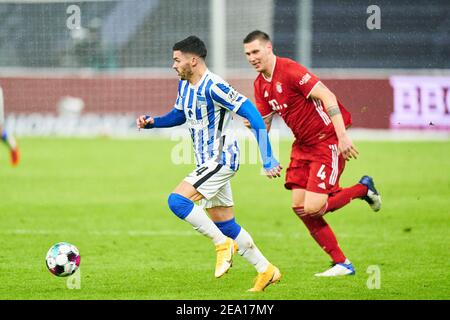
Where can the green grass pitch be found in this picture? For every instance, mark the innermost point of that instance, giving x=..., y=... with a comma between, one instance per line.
x=109, y=198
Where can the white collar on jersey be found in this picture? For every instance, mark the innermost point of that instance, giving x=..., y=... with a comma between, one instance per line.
x=273, y=69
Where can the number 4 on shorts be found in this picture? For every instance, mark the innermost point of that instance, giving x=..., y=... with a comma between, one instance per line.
x=321, y=173
x=199, y=171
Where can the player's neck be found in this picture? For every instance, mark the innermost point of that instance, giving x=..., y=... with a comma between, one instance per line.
x=197, y=75
x=268, y=73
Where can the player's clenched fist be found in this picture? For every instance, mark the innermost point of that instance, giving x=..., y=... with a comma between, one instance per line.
x=144, y=121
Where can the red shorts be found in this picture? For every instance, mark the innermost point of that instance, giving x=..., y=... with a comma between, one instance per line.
x=315, y=168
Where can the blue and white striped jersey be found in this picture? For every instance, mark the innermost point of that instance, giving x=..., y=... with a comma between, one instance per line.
x=208, y=109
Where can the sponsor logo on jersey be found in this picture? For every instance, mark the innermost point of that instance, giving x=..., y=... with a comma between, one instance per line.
x=276, y=106
x=322, y=185
x=197, y=124
x=232, y=96
x=266, y=94
x=305, y=79
x=279, y=88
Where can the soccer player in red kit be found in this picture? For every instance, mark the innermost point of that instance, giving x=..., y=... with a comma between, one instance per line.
x=321, y=144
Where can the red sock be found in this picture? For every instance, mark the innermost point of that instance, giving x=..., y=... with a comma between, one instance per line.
x=324, y=236
x=344, y=196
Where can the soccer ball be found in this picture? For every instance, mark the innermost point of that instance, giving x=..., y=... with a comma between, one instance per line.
x=62, y=259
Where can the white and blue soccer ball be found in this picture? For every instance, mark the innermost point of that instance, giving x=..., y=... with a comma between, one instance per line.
x=63, y=259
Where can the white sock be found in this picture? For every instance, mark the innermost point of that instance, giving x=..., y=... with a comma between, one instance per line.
x=203, y=224
x=250, y=251
x=11, y=142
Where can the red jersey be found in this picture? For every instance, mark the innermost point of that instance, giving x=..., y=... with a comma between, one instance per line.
x=287, y=93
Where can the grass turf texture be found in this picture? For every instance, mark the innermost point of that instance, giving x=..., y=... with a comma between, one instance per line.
x=109, y=198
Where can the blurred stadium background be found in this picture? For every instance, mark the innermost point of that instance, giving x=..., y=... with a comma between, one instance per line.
x=89, y=67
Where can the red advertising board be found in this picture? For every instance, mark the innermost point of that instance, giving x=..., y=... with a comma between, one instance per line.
x=396, y=102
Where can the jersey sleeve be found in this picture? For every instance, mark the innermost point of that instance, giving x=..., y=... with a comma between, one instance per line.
x=262, y=105
x=302, y=79
x=227, y=97
x=179, y=102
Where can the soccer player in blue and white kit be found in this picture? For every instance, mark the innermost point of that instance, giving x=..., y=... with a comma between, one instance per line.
x=206, y=103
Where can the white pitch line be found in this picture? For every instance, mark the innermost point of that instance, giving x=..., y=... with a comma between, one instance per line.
x=131, y=233
x=170, y=233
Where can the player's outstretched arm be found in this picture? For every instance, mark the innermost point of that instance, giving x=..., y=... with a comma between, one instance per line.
x=174, y=118
x=271, y=166
x=267, y=121
x=345, y=147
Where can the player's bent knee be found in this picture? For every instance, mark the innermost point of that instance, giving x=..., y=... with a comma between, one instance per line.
x=229, y=228
x=313, y=209
x=310, y=210
x=295, y=205
x=180, y=206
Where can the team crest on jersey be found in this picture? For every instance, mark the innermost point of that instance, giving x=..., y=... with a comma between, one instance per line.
x=279, y=88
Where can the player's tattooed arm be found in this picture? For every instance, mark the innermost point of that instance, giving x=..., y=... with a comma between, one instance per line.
x=268, y=121
x=333, y=110
x=345, y=144
x=320, y=91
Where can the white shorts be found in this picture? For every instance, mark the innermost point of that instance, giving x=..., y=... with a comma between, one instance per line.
x=212, y=180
